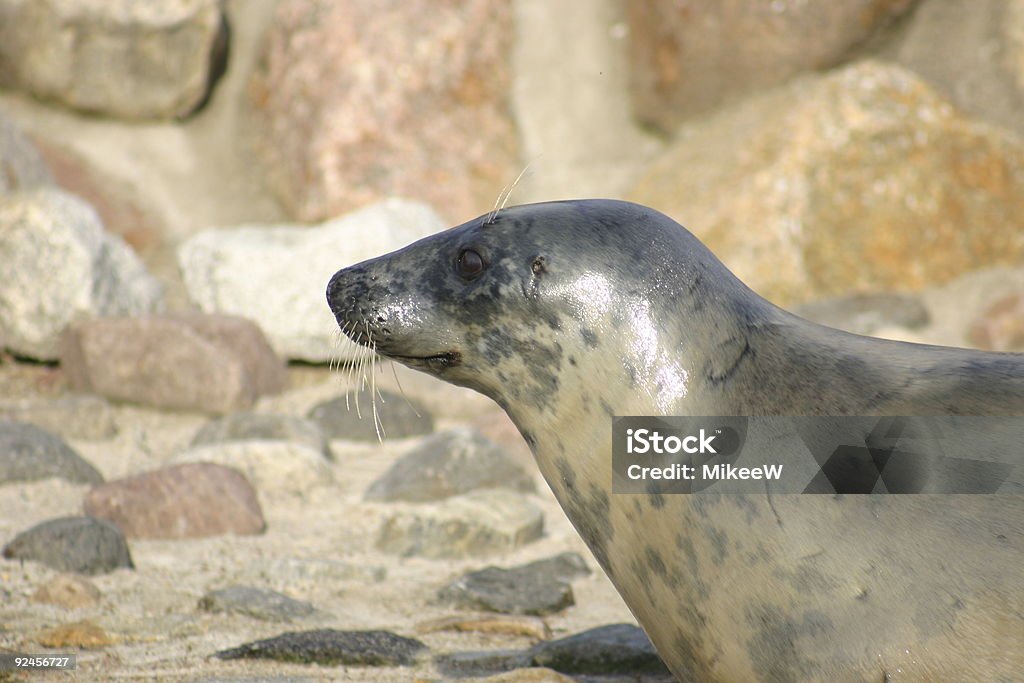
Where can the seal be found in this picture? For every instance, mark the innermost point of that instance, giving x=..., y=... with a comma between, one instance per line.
x=569, y=313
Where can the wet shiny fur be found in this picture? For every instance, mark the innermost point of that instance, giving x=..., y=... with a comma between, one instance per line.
x=587, y=309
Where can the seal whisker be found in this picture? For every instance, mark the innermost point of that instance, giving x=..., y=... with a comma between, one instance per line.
x=401, y=390
x=505, y=194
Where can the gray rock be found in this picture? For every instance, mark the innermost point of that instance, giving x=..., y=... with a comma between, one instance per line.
x=866, y=313
x=612, y=649
x=73, y=544
x=21, y=166
x=77, y=417
x=259, y=603
x=449, y=464
x=263, y=427
x=220, y=267
x=180, y=501
x=57, y=265
x=465, y=664
x=185, y=362
x=473, y=525
x=330, y=647
x=126, y=59
x=536, y=588
x=272, y=466
x=28, y=453
x=399, y=417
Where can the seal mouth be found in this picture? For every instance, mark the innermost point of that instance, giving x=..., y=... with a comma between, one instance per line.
x=438, y=361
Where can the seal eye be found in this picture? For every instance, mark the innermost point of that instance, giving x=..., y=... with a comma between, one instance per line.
x=470, y=264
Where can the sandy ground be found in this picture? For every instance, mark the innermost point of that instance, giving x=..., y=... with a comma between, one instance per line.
x=151, y=612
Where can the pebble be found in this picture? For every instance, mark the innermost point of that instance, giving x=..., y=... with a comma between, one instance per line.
x=85, y=545
x=28, y=453
x=1000, y=327
x=180, y=501
x=400, y=417
x=448, y=464
x=330, y=647
x=473, y=525
x=248, y=426
x=531, y=675
x=70, y=591
x=537, y=588
x=259, y=603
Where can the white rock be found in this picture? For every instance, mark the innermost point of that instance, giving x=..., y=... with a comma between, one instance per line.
x=277, y=274
x=21, y=167
x=271, y=466
x=57, y=265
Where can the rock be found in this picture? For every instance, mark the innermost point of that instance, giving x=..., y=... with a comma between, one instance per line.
x=57, y=265
x=85, y=635
x=612, y=649
x=426, y=114
x=259, y=603
x=330, y=647
x=126, y=59
x=76, y=417
x=474, y=525
x=351, y=417
x=263, y=427
x=277, y=275
x=72, y=544
x=687, y=58
x=537, y=588
x=529, y=627
x=463, y=664
x=28, y=453
x=972, y=51
x=70, y=591
x=186, y=362
x=449, y=464
x=272, y=466
x=867, y=313
x=21, y=166
x=858, y=180
x=1001, y=326
x=180, y=501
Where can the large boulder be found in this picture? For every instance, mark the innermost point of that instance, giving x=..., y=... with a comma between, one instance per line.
x=860, y=180
x=357, y=100
x=58, y=265
x=689, y=57
x=277, y=275
x=129, y=59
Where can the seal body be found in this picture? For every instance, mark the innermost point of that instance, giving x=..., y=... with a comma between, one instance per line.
x=569, y=313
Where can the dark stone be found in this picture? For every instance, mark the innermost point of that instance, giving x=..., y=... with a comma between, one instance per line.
x=399, y=417
x=331, y=648
x=537, y=588
x=263, y=427
x=72, y=544
x=449, y=464
x=612, y=649
x=462, y=664
x=28, y=453
x=259, y=603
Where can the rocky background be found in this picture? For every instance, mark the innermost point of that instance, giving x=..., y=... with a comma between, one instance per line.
x=190, y=491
